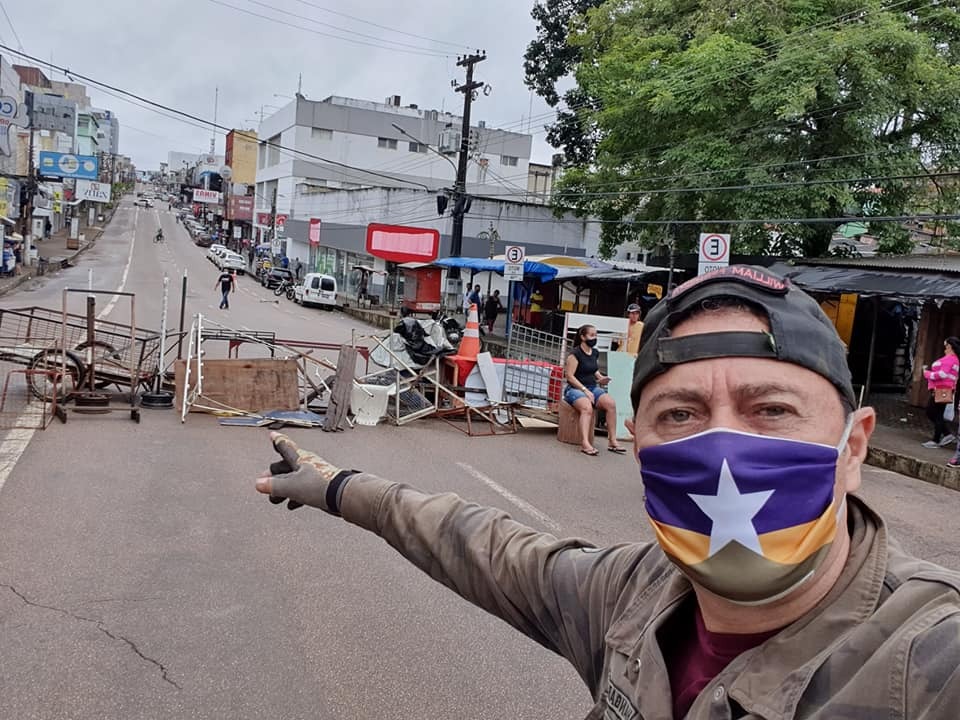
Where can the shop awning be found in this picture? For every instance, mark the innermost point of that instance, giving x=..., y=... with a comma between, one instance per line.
x=532, y=270
x=895, y=284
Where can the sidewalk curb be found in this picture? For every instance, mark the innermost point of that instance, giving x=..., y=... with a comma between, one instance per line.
x=31, y=274
x=377, y=318
x=929, y=472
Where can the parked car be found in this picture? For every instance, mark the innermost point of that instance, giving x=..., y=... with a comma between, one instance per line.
x=202, y=240
x=274, y=276
x=317, y=289
x=214, y=252
x=233, y=261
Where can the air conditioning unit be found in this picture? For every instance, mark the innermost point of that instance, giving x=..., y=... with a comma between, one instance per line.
x=449, y=141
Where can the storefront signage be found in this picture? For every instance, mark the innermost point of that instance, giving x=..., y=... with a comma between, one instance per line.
x=12, y=114
x=400, y=244
x=206, y=196
x=66, y=165
x=93, y=191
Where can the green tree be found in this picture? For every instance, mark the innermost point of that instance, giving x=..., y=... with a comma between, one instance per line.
x=790, y=101
x=550, y=59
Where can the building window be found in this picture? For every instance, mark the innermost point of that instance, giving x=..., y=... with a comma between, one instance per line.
x=629, y=256
x=321, y=134
x=509, y=160
x=418, y=147
x=387, y=143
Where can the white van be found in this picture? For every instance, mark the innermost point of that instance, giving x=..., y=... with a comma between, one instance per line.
x=317, y=289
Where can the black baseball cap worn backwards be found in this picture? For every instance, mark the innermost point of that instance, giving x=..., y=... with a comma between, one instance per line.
x=800, y=332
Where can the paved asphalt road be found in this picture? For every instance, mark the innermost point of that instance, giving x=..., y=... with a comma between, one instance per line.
x=142, y=577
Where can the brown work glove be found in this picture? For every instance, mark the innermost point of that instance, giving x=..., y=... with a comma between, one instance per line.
x=303, y=478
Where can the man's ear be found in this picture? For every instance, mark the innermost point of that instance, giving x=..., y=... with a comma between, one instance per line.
x=853, y=456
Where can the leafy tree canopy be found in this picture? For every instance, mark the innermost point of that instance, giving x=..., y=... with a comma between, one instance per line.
x=789, y=100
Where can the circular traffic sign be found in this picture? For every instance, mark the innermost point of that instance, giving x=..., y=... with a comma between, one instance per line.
x=714, y=247
x=514, y=254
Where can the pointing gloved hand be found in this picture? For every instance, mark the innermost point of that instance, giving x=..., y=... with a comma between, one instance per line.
x=303, y=478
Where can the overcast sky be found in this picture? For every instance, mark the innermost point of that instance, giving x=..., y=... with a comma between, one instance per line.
x=177, y=51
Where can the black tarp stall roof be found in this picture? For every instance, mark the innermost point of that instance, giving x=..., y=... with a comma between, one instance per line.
x=900, y=285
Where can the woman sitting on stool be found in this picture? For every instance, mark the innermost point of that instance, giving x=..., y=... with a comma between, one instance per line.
x=587, y=388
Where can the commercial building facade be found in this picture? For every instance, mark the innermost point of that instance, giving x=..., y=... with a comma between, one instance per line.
x=351, y=162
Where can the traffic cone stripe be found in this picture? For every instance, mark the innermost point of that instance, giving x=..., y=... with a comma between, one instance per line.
x=470, y=345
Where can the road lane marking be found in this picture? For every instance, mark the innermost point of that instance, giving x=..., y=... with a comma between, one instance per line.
x=518, y=502
x=126, y=271
x=13, y=446
x=15, y=442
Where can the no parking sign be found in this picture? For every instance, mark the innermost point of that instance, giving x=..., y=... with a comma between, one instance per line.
x=714, y=252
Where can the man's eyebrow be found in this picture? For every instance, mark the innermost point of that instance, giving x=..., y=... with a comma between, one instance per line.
x=677, y=395
x=756, y=390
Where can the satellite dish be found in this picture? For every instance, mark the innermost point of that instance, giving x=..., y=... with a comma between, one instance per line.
x=226, y=172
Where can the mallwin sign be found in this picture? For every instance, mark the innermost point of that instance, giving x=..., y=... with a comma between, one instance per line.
x=93, y=191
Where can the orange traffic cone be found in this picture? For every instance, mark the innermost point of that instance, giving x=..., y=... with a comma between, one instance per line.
x=470, y=345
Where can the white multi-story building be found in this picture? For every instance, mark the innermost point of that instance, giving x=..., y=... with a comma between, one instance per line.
x=306, y=145
x=354, y=162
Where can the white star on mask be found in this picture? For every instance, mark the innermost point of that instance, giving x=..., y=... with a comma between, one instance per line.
x=732, y=513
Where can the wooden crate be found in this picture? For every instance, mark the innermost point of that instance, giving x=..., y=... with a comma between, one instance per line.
x=568, y=430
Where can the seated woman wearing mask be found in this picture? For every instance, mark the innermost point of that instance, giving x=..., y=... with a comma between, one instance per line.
x=586, y=388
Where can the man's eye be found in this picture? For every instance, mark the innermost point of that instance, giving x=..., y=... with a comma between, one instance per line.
x=677, y=415
x=773, y=411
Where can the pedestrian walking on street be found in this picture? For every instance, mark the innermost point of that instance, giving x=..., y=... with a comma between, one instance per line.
x=298, y=270
x=227, y=284
x=942, y=383
x=772, y=589
x=491, y=308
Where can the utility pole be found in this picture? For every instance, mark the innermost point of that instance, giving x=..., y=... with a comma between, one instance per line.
x=216, y=108
x=460, y=200
x=31, y=183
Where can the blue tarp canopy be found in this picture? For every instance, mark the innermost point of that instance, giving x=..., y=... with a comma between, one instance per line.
x=531, y=270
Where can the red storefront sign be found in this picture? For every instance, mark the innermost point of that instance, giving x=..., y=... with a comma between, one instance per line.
x=240, y=208
x=403, y=244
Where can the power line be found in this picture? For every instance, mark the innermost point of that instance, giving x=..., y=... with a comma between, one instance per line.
x=766, y=186
x=383, y=27
x=739, y=221
x=12, y=28
x=340, y=29
x=425, y=52
x=207, y=123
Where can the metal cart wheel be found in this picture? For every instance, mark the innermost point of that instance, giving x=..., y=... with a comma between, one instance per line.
x=101, y=351
x=47, y=387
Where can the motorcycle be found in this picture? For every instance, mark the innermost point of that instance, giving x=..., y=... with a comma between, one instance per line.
x=451, y=327
x=285, y=287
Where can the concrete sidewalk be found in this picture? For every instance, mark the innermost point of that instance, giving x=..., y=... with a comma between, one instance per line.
x=901, y=450
x=54, y=250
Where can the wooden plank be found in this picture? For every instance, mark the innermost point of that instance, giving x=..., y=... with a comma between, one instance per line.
x=343, y=387
x=253, y=385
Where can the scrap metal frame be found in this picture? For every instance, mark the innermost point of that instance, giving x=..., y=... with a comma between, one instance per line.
x=91, y=338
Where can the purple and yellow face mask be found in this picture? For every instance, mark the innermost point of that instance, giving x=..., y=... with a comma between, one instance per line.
x=748, y=517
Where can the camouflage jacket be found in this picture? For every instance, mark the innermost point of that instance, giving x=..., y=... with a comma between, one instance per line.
x=885, y=641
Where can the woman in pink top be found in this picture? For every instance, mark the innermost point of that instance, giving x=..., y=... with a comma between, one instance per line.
x=942, y=375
